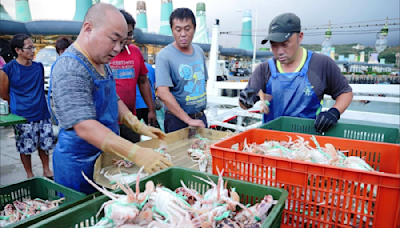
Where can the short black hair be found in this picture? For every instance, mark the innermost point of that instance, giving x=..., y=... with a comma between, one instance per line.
x=5, y=50
x=18, y=42
x=182, y=14
x=128, y=17
x=63, y=43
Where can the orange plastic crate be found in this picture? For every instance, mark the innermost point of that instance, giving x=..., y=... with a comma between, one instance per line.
x=367, y=199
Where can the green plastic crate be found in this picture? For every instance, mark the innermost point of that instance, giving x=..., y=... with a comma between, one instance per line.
x=38, y=187
x=85, y=215
x=342, y=130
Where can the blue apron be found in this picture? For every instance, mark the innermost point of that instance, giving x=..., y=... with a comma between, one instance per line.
x=292, y=94
x=73, y=154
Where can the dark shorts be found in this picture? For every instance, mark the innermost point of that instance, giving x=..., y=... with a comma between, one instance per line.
x=33, y=135
x=173, y=123
x=143, y=113
x=126, y=133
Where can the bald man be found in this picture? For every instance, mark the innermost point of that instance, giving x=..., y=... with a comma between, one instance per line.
x=87, y=107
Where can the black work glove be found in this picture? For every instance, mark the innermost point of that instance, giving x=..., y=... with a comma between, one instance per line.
x=326, y=120
x=248, y=97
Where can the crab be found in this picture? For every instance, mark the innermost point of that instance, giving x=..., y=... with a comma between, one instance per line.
x=123, y=162
x=163, y=150
x=257, y=212
x=123, y=209
x=169, y=209
x=217, y=194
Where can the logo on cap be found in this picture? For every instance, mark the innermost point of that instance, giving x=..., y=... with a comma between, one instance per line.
x=273, y=27
x=287, y=35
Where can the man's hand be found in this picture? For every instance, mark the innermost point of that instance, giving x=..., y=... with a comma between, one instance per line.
x=196, y=123
x=326, y=120
x=152, y=119
x=264, y=109
x=265, y=101
x=248, y=97
x=152, y=132
x=158, y=104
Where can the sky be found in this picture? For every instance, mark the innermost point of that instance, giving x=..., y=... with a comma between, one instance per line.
x=313, y=13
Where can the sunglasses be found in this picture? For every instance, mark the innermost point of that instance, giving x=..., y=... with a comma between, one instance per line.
x=32, y=48
x=131, y=35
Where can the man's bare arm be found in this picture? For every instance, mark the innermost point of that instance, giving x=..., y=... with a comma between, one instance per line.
x=92, y=131
x=343, y=101
x=145, y=91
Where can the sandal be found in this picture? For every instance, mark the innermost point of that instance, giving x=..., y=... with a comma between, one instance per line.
x=51, y=178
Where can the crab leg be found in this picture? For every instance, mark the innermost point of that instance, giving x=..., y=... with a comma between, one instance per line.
x=102, y=207
x=105, y=192
x=128, y=191
x=206, y=181
x=190, y=191
x=138, y=181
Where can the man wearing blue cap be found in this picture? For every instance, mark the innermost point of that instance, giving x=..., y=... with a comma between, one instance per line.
x=296, y=78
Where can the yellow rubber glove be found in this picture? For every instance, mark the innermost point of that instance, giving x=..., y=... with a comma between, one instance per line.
x=150, y=159
x=133, y=123
x=152, y=132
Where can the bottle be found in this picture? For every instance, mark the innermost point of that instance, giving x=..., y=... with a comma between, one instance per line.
x=3, y=107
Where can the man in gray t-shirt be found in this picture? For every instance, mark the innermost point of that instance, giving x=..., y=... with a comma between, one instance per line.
x=181, y=75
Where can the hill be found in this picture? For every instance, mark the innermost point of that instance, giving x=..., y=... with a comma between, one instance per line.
x=345, y=49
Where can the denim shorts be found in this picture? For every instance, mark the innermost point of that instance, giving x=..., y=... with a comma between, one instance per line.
x=33, y=135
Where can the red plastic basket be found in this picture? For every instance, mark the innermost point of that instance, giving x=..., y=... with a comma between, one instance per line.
x=354, y=198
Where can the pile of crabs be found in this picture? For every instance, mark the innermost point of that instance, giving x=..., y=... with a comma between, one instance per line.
x=159, y=206
x=199, y=152
x=25, y=208
x=301, y=150
x=122, y=177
